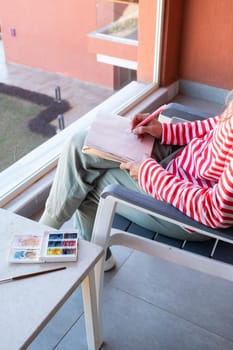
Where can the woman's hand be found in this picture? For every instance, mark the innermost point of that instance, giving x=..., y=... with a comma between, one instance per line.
x=153, y=128
x=132, y=167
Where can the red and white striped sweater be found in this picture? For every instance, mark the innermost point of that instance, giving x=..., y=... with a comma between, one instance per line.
x=199, y=181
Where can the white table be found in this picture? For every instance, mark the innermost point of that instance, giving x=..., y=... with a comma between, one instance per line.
x=27, y=305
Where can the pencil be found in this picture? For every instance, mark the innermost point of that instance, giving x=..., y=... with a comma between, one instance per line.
x=151, y=116
x=33, y=274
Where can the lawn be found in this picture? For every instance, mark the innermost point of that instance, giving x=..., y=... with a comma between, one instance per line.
x=16, y=139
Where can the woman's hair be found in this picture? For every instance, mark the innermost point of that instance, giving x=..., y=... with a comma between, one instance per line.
x=229, y=97
x=228, y=113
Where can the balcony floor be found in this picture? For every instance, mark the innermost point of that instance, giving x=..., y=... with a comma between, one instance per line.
x=149, y=304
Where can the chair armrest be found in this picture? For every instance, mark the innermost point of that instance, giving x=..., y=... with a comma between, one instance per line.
x=163, y=210
x=185, y=112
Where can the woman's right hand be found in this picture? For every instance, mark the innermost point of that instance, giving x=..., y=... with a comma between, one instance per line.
x=153, y=128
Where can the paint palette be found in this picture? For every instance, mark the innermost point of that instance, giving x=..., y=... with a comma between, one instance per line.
x=51, y=246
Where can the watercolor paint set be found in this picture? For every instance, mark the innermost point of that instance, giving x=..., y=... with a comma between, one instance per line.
x=52, y=246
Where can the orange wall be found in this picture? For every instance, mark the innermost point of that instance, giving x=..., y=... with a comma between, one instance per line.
x=146, y=45
x=198, y=42
x=51, y=35
x=112, y=48
x=207, y=45
x=171, y=41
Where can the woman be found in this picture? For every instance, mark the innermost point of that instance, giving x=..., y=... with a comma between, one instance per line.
x=196, y=178
x=199, y=180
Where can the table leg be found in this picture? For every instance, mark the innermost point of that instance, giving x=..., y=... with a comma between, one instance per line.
x=93, y=319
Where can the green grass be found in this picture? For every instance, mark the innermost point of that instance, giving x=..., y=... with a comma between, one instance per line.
x=16, y=139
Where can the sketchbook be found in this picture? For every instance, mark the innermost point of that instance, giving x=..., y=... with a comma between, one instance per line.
x=110, y=137
x=52, y=246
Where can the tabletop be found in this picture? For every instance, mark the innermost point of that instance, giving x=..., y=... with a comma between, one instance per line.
x=27, y=304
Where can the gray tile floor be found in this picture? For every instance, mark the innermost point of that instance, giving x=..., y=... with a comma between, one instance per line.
x=148, y=304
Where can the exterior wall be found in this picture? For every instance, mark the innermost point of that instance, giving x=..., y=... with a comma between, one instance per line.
x=112, y=48
x=198, y=42
x=146, y=45
x=207, y=46
x=52, y=36
x=171, y=41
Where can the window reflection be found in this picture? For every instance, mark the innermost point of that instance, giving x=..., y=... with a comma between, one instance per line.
x=118, y=18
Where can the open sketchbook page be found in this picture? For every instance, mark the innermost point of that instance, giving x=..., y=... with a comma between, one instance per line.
x=110, y=137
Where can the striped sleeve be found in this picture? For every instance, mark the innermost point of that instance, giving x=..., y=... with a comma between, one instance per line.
x=210, y=206
x=182, y=133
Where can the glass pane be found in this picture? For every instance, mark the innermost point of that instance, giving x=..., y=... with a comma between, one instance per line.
x=118, y=18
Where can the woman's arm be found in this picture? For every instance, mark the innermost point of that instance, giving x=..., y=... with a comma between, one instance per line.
x=183, y=133
x=169, y=133
x=210, y=206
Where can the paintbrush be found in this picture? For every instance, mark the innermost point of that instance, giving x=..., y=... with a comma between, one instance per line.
x=33, y=274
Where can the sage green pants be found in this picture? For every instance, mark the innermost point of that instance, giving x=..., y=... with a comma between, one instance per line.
x=79, y=181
